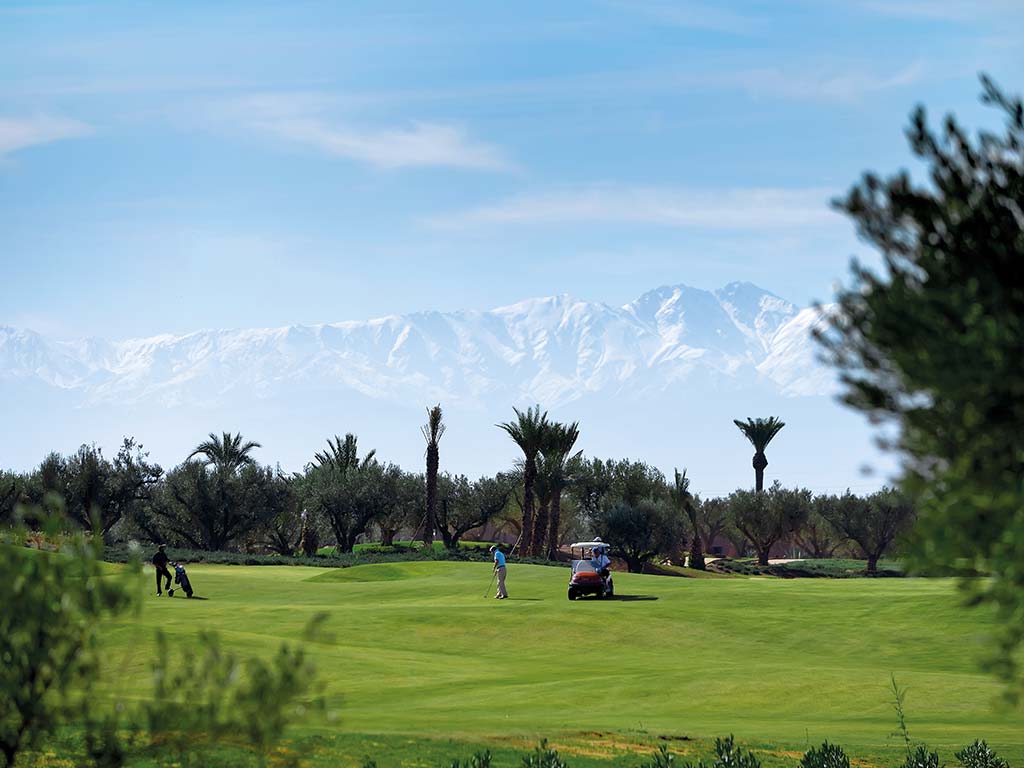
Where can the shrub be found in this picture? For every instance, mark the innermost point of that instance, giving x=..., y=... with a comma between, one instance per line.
x=211, y=696
x=661, y=759
x=920, y=757
x=543, y=757
x=728, y=755
x=49, y=633
x=826, y=756
x=980, y=755
x=478, y=760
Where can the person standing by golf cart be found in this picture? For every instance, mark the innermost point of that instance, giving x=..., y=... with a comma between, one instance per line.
x=499, y=571
x=160, y=561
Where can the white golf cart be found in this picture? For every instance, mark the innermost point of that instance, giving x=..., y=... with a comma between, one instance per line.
x=590, y=574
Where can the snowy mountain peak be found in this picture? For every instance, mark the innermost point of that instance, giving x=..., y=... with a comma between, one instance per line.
x=553, y=349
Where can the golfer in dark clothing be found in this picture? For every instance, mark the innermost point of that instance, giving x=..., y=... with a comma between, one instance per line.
x=160, y=563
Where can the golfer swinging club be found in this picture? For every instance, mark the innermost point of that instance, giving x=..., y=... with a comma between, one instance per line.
x=499, y=571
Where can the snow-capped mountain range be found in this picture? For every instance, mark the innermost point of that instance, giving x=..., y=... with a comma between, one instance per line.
x=551, y=350
x=660, y=379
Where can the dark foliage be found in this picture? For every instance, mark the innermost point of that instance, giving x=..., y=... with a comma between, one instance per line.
x=873, y=523
x=933, y=346
x=766, y=517
x=825, y=756
x=640, y=530
x=466, y=505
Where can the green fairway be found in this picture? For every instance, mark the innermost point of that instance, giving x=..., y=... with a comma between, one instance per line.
x=418, y=652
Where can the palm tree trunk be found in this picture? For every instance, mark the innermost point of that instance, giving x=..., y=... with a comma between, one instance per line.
x=529, y=475
x=540, y=529
x=431, y=520
x=696, y=550
x=760, y=462
x=554, y=524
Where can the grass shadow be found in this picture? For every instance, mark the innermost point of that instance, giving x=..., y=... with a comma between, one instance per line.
x=631, y=598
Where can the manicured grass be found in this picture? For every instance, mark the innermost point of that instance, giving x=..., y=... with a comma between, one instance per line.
x=418, y=654
x=375, y=546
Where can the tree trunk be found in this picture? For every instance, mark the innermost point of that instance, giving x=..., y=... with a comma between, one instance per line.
x=696, y=554
x=430, y=522
x=760, y=462
x=554, y=524
x=387, y=536
x=451, y=541
x=762, y=555
x=529, y=475
x=540, y=529
x=310, y=541
x=872, y=563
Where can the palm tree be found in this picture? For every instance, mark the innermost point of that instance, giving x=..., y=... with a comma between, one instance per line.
x=528, y=432
x=760, y=432
x=554, y=465
x=432, y=432
x=343, y=455
x=226, y=453
x=685, y=503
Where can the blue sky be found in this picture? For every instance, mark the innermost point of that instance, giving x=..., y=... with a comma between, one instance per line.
x=166, y=167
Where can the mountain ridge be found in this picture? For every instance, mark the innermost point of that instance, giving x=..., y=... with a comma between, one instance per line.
x=551, y=349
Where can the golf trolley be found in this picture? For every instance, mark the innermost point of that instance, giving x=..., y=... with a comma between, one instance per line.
x=587, y=578
x=181, y=579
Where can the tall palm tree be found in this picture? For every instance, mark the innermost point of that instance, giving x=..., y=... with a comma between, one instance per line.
x=528, y=432
x=432, y=432
x=686, y=504
x=227, y=453
x=760, y=432
x=554, y=465
x=343, y=455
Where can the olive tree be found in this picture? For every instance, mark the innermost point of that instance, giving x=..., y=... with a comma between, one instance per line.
x=639, y=531
x=931, y=343
x=871, y=522
x=767, y=517
x=465, y=505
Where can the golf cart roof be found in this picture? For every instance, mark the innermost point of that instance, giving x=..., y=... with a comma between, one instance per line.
x=588, y=544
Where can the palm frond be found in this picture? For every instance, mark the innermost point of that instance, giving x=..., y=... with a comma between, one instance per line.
x=760, y=432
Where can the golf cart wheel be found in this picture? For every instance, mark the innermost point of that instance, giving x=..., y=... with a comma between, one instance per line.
x=572, y=594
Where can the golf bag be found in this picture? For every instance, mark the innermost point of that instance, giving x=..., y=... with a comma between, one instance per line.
x=181, y=579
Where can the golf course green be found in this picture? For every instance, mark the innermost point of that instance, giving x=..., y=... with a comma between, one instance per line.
x=418, y=655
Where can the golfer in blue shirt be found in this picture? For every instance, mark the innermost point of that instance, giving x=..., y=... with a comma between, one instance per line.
x=499, y=570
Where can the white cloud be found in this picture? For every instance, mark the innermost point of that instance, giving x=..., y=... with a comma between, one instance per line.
x=730, y=209
x=419, y=145
x=19, y=133
x=305, y=118
x=845, y=86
